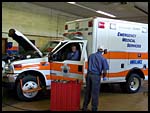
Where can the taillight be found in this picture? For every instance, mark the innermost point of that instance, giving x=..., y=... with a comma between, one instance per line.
x=17, y=66
x=66, y=27
x=90, y=24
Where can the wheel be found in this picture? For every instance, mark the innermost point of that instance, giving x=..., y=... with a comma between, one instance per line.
x=28, y=82
x=133, y=83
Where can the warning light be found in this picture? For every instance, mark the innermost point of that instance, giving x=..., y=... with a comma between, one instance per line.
x=90, y=24
x=101, y=25
x=66, y=27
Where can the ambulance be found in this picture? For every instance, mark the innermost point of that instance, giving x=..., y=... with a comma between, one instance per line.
x=125, y=47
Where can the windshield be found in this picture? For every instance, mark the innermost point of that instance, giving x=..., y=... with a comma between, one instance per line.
x=58, y=46
x=73, y=36
x=45, y=49
x=49, y=46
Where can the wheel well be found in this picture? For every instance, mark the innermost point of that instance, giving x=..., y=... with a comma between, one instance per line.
x=136, y=71
x=34, y=73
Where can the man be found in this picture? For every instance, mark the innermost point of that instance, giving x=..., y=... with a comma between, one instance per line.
x=74, y=54
x=96, y=64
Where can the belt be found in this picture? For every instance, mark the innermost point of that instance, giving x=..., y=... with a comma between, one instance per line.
x=94, y=73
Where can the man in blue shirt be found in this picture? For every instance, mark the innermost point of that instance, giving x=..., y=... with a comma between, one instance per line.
x=74, y=54
x=96, y=65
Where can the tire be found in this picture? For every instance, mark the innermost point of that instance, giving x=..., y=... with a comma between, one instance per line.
x=28, y=82
x=132, y=84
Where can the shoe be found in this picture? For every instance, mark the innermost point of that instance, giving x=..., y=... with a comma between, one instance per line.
x=84, y=109
x=94, y=109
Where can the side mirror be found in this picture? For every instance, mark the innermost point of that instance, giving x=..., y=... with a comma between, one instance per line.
x=105, y=51
x=50, y=57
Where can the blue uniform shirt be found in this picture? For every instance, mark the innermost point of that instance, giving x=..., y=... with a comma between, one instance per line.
x=97, y=63
x=73, y=55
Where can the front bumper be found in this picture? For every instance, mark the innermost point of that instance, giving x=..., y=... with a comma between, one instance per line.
x=9, y=85
x=8, y=80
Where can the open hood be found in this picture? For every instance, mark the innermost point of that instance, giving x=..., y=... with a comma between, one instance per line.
x=23, y=41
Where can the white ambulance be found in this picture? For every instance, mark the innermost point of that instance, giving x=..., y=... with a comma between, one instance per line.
x=126, y=49
x=125, y=43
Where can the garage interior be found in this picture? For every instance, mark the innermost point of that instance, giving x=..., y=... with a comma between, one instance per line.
x=45, y=21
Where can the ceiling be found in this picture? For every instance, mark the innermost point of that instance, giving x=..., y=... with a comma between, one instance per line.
x=131, y=11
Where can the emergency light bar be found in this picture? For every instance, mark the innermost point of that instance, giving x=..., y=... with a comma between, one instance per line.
x=73, y=33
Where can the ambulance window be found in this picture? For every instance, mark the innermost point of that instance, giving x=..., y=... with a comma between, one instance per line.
x=68, y=52
x=74, y=52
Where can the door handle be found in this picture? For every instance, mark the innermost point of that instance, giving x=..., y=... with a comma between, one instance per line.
x=122, y=65
x=53, y=73
x=80, y=69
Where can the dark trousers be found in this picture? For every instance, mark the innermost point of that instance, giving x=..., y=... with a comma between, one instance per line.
x=92, y=90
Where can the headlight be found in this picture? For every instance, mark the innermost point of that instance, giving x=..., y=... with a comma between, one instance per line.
x=3, y=64
x=8, y=68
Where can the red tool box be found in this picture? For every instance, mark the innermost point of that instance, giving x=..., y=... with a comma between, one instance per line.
x=65, y=96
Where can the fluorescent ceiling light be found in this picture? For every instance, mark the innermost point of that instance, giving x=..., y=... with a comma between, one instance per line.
x=100, y=12
x=71, y=2
x=104, y=13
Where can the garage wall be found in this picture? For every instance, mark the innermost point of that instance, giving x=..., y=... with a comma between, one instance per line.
x=37, y=23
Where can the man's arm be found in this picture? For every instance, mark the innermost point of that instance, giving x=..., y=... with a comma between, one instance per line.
x=105, y=67
x=104, y=73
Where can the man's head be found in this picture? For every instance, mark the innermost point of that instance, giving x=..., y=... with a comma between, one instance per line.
x=100, y=49
x=73, y=48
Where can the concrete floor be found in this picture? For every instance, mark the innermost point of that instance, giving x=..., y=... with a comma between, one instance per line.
x=111, y=99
